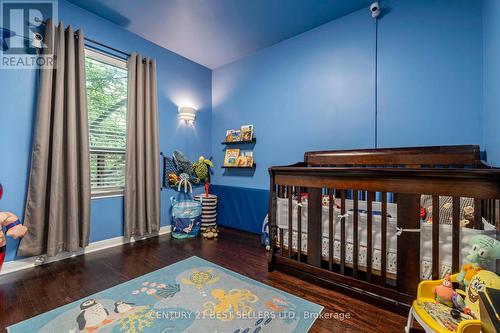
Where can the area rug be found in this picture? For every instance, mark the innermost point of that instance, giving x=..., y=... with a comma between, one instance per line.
x=193, y=295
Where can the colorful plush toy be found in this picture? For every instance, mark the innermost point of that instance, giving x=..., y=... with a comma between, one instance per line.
x=184, y=181
x=445, y=292
x=13, y=226
x=201, y=168
x=478, y=283
x=484, y=249
x=173, y=179
x=210, y=233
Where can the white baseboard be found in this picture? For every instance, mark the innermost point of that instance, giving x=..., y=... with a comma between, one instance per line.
x=17, y=265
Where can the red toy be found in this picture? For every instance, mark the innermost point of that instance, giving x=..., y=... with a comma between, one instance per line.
x=423, y=213
x=207, y=186
x=14, y=229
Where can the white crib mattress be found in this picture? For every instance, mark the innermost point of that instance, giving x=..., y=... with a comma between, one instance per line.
x=445, y=236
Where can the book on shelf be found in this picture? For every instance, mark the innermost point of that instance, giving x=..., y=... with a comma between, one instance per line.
x=231, y=157
x=233, y=135
x=247, y=133
x=242, y=161
x=249, y=158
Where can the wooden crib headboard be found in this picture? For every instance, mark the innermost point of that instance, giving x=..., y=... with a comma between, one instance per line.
x=413, y=157
x=370, y=178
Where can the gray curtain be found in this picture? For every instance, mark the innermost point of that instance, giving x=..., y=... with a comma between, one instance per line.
x=142, y=171
x=58, y=201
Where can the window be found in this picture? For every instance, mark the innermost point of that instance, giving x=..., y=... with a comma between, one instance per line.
x=107, y=111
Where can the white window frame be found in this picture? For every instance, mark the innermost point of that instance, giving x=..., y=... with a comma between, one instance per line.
x=120, y=63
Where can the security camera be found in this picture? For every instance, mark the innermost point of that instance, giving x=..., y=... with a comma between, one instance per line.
x=375, y=9
x=36, y=40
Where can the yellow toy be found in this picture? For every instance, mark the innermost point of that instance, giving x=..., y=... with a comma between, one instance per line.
x=426, y=300
x=479, y=282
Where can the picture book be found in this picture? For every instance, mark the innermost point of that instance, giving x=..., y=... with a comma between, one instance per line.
x=246, y=133
x=231, y=157
x=248, y=155
x=235, y=135
x=228, y=135
x=242, y=161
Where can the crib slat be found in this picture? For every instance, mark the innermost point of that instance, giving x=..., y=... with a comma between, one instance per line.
x=281, y=191
x=355, y=250
x=383, y=248
x=408, y=262
x=494, y=217
x=330, y=229
x=273, y=236
x=290, y=220
x=369, y=236
x=435, y=237
x=490, y=210
x=314, y=222
x=484, y=209
x=282, y=245
x=342, y=232
x=455, y=240
x=299, y=225
x=478, y=223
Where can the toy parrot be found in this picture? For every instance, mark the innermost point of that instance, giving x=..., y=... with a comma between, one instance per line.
x=201, y=168
x=4, y=34
x=14, y=229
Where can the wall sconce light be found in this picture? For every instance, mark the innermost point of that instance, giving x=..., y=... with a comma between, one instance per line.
x=188, y=114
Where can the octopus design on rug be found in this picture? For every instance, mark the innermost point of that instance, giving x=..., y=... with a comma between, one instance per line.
x=201, y=278
x=234, y=303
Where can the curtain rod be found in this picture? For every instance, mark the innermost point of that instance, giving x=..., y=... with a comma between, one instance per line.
x=106, y=46
x=38, y=20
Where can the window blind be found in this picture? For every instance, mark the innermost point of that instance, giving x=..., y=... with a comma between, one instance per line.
x=107, y=110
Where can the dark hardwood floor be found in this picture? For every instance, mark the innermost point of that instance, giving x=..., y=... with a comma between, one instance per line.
x=31, y=292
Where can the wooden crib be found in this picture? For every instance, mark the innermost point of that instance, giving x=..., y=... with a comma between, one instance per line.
x=405, y=173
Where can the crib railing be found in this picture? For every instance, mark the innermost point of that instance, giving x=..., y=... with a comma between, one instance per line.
x=405, y=186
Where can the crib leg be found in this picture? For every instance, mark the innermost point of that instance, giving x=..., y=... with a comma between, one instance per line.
x=409, y=323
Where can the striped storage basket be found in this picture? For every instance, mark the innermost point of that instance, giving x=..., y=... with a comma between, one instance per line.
x=209, y=210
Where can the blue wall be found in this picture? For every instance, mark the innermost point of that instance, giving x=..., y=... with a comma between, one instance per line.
x=430, y=73
x=317, y=90
x=180, y=82
x=491, y=38
x=313, y=91
x=241, y=208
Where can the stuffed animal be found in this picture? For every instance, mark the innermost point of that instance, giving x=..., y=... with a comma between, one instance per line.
x=14, y=229
x=173, y=179
x=201, y=168
x=484, y=249
x=445, y=292
x=210, y=233
x=479, y=283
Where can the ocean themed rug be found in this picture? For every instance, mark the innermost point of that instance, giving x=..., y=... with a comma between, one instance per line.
x=193, y=295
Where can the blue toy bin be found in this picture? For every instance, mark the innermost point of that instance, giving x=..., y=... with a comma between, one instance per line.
x=186, y=218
